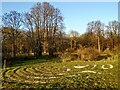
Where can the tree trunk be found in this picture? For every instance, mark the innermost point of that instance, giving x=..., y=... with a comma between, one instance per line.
x=51, y=52
x=99, y=44
x=71, y=44
x=14, y=50
x=40, y=50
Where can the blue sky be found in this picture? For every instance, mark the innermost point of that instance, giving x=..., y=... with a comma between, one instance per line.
x=76, y=14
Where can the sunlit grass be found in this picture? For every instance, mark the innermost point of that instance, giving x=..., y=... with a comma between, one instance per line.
x=57, y=75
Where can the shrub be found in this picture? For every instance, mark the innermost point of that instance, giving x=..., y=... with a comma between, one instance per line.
x=88, y=54
x=74, y=56
x=107, y=52
x=115, y=50
x=70, y=50
x=67, y=56
x=103, y=56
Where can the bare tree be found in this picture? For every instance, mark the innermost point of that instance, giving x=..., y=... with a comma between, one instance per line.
x=98, y=28
x=73, y=36
x=112, y=33
x=33, y=21
x=52, y=20
x=13, y=20
x=44, y=21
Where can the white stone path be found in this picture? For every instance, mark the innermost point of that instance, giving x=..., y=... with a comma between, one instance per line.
x=93, y=66
x=89, y=71
x=81, y=66
x=103, y=66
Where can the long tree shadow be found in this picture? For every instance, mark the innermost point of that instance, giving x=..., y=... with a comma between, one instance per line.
x=25, y=60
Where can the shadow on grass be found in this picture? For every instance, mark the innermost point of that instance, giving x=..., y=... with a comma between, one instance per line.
x=19, y=61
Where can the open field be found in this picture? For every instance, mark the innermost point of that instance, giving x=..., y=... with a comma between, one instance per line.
x=59, y=46
x=62, y=75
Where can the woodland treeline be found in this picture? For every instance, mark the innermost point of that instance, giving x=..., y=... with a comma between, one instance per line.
x=41, y=31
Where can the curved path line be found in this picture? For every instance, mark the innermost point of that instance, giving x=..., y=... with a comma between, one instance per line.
x=103, y=66
x=94, y=66
x=81, y=66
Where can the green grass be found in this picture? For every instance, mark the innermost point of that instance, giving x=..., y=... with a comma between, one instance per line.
x=45, y=74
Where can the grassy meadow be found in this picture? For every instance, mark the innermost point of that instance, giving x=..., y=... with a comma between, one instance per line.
x=80, y=75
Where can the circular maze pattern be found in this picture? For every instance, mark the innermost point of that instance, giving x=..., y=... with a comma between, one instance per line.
x=34, y=74
x=44, y=74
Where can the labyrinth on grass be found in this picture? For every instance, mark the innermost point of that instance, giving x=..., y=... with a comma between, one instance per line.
x=103, y=73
